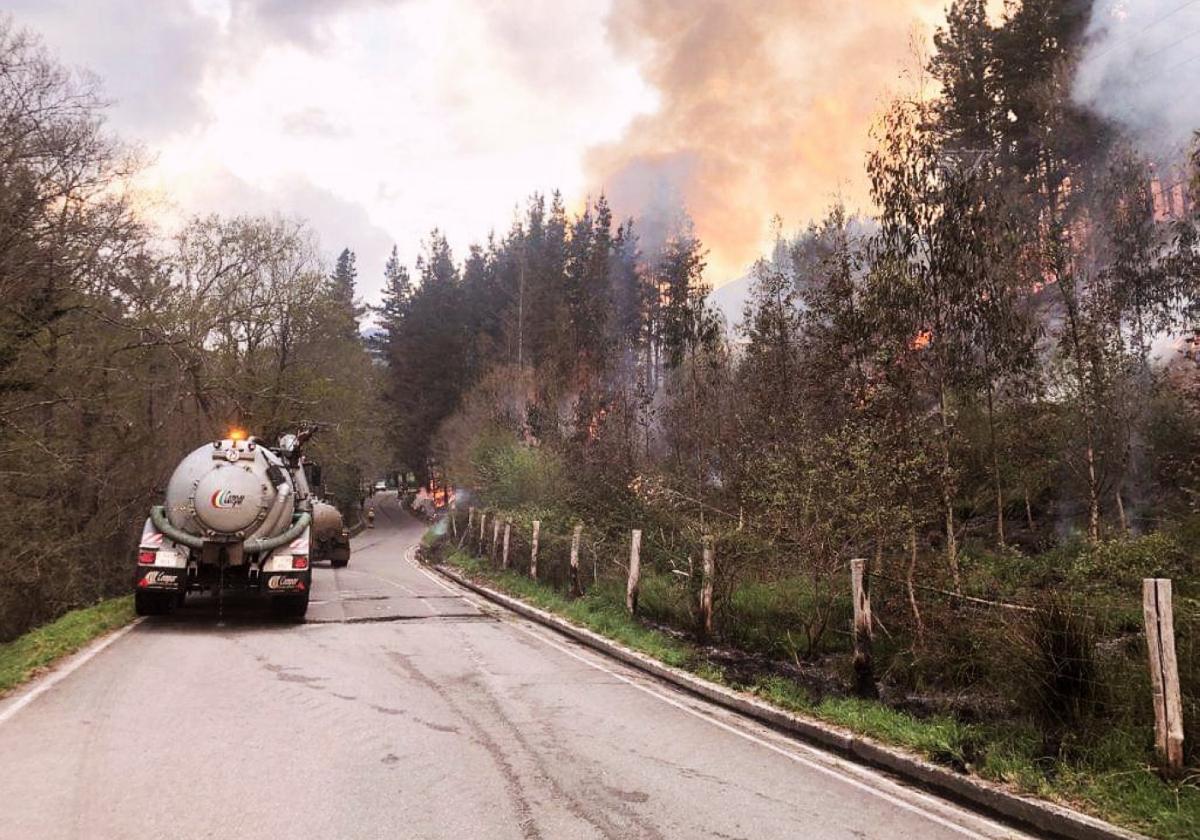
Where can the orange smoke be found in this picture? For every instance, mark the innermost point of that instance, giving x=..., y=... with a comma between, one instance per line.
x=765, y=108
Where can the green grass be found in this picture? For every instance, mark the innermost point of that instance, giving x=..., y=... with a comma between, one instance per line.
x=598, y=610
x=23, y=657
x=1109, y=777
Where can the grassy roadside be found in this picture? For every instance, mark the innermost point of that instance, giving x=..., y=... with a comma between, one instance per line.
x=26, y=655
x=1109, y=779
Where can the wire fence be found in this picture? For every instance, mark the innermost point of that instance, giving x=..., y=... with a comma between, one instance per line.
x=1061, y=655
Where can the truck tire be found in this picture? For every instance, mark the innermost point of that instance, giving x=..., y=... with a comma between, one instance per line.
x=292, y=607
x=153, y=603
x=340, y=564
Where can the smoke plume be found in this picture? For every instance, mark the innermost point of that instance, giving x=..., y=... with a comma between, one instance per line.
x=1141, y=69
x=765, y=107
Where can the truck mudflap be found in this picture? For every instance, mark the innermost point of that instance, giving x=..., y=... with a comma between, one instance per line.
x=171, y=580
x=161, y=564
x=286, y=583
x=288, y=572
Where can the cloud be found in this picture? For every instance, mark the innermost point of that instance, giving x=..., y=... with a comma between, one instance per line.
x=312, y=122
x=306, y=23
x=337, y=222
x=365, y=116
x=152, y=63
x=765, y=107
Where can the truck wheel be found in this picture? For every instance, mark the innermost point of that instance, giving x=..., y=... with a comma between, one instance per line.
x=152, y=603
x=339, y=564
x=291, y=607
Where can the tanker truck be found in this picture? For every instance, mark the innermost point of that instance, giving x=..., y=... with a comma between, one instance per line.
x=237, y=517
x=331, y=538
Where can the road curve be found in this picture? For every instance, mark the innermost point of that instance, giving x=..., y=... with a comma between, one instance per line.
x=408, y=708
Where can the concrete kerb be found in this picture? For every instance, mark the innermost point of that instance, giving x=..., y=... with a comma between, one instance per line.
x=1043, y=816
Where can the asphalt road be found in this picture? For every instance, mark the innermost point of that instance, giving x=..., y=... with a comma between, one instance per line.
x=407, y=708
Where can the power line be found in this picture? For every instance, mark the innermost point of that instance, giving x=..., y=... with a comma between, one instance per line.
x=1176, y=42
x=1148, y=26
x=1166, y=70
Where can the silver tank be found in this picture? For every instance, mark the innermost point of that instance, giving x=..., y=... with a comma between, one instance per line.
x=326, y=521
x=229, y=491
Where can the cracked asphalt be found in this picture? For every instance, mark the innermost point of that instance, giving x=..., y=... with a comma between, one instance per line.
x=408, y=708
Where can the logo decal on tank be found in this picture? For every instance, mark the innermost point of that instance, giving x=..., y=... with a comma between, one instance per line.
x=227, y=499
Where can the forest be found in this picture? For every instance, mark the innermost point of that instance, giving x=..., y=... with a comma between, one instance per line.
x=986, y=387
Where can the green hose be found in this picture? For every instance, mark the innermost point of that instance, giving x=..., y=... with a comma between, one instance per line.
x=261, y=545
x=158, y=515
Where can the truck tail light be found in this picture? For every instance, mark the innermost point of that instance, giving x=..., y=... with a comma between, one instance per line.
x=146, y=558
x=299, y=561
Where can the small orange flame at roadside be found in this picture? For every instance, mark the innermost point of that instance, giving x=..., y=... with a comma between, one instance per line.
x=921, y=340
x=236, y=434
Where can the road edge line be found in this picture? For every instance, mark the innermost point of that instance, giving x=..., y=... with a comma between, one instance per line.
x=60, y=670
x=1034, y=813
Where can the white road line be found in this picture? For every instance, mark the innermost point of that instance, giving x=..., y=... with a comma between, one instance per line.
x=845, y=771
x=57, y=676
x=839, y=773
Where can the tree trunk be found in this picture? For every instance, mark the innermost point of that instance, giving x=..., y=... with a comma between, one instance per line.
x=1093, y=492
x=908, y=579
x=947, y=476
x=995, y=466
x=1086, y=408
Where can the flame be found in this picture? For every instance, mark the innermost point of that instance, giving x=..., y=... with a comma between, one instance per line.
x=236, y=434
x=921, y=340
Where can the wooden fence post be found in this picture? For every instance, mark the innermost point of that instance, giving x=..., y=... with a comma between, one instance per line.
x=533, y=550
x=576, y=589
x=482, y=525
x=635, y=571
x=504, y=554
x=706, y=584
x=453, y=518
x=1164, y=672
x=495, y=535
x=864, y=674
x=470, y=519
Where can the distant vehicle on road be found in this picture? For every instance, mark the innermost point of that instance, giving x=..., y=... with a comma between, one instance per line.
x=380, y=485
x=331, y=537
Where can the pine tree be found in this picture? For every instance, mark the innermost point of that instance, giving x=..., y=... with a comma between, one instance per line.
x=429, y=360
x=397, y=298
x=966, y=109
x=687, y=323
x=341, y=290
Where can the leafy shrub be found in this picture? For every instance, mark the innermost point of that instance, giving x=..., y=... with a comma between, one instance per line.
x=1125, y=561
x=512, y=475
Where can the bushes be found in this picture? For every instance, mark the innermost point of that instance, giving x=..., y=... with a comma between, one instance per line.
x=1057, y=673
x=1123, y=562
x=512, y=475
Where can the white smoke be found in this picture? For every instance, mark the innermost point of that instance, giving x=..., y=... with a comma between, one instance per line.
x=1141, y=69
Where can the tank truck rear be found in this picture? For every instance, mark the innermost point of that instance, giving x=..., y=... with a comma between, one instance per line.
x=237, y=517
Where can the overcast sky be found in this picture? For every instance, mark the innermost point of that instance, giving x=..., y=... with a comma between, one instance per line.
x=378, y=119
x=374, y=119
